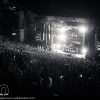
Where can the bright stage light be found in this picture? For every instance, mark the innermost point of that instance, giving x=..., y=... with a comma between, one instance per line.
x=13, y=34
x=62, y=37
x=83, y=29
x=84, y=51
x=57, y=46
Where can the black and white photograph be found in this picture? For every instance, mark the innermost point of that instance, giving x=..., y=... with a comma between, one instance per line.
x=49, y=48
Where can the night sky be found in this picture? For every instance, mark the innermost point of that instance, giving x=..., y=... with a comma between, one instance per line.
x=77, y=8
x=81, y=8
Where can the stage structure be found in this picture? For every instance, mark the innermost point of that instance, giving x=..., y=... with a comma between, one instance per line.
x=67, y=35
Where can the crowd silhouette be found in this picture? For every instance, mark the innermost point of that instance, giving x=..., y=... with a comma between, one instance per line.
x=29, y=71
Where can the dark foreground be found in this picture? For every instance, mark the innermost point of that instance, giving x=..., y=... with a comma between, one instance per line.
x=21, y=67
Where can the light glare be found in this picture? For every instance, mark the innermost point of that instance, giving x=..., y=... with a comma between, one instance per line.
x=62, y=37
x=83, y=29
x=84, y=51
x=57, y=46
x=13, y=34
